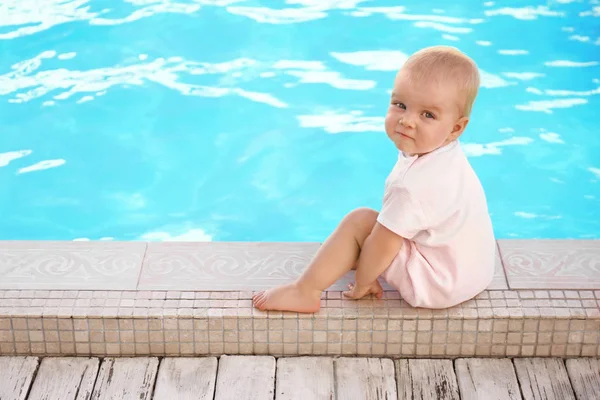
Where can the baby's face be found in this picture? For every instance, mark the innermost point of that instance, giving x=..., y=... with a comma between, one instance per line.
x=423, y=116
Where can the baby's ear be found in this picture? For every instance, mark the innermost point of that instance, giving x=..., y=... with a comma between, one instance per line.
x=459, y=127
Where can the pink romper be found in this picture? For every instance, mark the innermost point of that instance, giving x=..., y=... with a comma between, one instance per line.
x=437, y=204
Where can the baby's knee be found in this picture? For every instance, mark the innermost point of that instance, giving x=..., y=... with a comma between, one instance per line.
x=362, y=218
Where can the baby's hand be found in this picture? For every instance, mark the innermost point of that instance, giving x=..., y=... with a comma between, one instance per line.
x=356, y=292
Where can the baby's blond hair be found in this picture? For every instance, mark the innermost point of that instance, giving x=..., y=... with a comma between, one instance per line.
x=444, y=62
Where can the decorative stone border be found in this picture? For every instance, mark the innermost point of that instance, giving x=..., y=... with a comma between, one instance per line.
x=520, y=264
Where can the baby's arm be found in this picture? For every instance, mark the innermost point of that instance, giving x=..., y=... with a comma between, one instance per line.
x=378, y=251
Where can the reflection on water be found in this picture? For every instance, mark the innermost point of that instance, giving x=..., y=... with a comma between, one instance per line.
x=229, y=120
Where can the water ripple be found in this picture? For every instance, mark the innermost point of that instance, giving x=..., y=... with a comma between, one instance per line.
x=525, y=13
x=27, y=85
x=335, y=122
x=373, y=60
x=7, y=157
x=547, y=106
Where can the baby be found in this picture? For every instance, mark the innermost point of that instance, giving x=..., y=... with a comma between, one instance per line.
x=433, y=239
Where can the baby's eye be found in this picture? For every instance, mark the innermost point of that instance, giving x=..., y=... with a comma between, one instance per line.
x=429, y=115
x=400, y=105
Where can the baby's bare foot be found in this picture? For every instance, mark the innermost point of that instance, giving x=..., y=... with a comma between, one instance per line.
x=288, y=298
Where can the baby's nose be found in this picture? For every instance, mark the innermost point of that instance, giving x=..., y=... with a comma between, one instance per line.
x=407, y=121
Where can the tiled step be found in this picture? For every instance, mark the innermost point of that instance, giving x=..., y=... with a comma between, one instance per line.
x=121, y=323
x=133, y=298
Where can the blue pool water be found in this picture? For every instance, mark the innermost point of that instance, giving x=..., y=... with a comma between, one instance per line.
x=263, y=121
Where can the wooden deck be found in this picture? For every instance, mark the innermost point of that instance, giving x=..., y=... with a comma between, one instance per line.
x=302, y=378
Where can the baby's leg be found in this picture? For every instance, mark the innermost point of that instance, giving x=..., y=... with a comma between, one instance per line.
x=335, y=257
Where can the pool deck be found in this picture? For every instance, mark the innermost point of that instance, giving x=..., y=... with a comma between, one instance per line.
x=120, y=299
x=297, y=378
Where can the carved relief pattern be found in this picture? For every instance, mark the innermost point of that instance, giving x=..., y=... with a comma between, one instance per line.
x=70, y=265
x=549, y=264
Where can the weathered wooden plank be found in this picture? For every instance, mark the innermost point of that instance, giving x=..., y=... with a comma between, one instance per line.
x=585, y=377
x=489, y=379
x=16, y=374
x=126, y=378
x=365, y=378
x=186, y=378
x=63, y=378
x=426, y=379
x=302, y=378
x=245, y=377
x=543, y=379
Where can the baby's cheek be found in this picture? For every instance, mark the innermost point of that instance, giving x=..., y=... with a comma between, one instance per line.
x=389, y=119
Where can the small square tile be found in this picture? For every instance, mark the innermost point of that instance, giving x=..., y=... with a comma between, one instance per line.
x=513, y=351
x=305, y=349
x=424, y=325
x=514, y=338
x=379, y=337
x=36, y=336
x=439, y=325
x=558, y=350
x=590, y=337
x=470, y=326
x=38, y=348
x=499, y=338
x=454, y=337
x=438, y=337
x=501, y=326
x=546, y=326
x=64, y=336
x=515, y=325
x=320, y=348
x=290, y=336
x=589, y=351
x=363, y=349
x=25, y=348
x=409, y=325
x=408, y=337
x=469, y=338
x=424, y=337
x=408, y=350
x=574, y=350
x=438, y=350
x=157, y=348
x=484, y=338
x=142, y=349
x=575, y=337
x=21, y=336
x=454, y=325
x=127, y=349
x=172, y=349
x=483, y=350
x=498, y=351
x=542, y=350
x=260, y=336
x=277, y=336
x=529, y=338
x=544, y=338
x=467, y=349
x=485, y=325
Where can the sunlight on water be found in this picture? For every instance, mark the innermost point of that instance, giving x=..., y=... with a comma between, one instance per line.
x=243, y=120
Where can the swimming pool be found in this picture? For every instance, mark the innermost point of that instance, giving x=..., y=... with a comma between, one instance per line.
x=263, y=121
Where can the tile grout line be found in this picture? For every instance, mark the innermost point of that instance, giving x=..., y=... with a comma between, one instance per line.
x=137, y=285
x=504, y=273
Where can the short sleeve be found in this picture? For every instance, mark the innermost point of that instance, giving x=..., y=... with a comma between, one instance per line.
x=401, y=212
